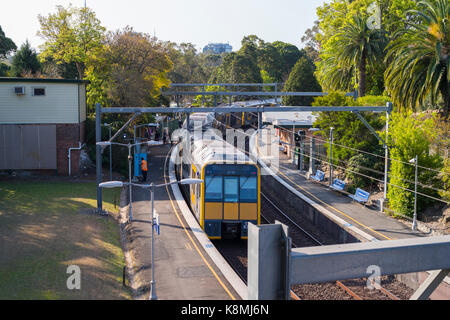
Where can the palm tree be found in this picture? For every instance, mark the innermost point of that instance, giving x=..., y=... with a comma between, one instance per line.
x=358, y=45
x=419, y=57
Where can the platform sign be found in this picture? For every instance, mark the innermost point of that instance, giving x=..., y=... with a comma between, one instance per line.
x=156, y=224
x=137, y=163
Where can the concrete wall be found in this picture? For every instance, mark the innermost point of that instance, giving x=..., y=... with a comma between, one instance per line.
x=297, y=206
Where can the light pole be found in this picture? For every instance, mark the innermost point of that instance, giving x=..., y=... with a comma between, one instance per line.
x=152, y=186
x=129, y=146
x=414, y=224
x=110, y=151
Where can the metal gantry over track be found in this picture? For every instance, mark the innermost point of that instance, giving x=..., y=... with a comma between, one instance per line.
x=258, y=109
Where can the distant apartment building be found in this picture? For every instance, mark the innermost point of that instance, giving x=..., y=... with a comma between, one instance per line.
x=217, y=48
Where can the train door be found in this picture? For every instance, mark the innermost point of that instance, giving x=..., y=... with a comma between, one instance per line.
x=231, y=198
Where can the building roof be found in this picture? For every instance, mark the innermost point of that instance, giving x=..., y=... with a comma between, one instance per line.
x=298, y=119
x=42, y=80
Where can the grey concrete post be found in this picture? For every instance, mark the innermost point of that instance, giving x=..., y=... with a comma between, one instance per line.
x=269, y=250
x=98, y=156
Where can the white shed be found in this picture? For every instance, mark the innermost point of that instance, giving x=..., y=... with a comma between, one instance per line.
x=40, y=119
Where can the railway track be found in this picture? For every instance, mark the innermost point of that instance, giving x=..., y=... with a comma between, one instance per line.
x=356, y=289
x=235, y=252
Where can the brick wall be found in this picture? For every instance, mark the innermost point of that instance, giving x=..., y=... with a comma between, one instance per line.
x=68, y=136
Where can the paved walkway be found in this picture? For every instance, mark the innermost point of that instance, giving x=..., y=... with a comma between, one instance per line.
x=371, y=221
x=181, y=272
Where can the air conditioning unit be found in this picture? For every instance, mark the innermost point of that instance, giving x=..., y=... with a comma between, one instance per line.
x=19, y=91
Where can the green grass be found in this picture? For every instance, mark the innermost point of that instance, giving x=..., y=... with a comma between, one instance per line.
x=44, y=228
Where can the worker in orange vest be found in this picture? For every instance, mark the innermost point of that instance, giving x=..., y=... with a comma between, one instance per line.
x=144, y=168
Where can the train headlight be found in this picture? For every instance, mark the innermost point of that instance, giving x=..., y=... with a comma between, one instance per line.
x=245, y=225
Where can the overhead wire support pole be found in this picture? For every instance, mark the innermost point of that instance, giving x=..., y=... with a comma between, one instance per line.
x=98, y=156
x=386, y=153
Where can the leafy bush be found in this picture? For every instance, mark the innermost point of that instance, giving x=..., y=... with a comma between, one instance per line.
x=410, y=135
x=366, y=165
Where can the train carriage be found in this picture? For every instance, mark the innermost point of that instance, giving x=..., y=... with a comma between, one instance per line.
x=229, y=197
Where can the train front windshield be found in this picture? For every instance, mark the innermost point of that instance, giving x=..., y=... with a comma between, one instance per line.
x=231, y=199
x=231, y=183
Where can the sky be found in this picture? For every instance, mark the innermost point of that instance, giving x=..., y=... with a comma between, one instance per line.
x=196, y=21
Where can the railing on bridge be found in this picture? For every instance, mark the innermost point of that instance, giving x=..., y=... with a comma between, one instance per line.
x=273, y=266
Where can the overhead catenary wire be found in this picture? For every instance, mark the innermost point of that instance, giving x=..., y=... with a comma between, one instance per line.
x=369, y=153
x=357, y=166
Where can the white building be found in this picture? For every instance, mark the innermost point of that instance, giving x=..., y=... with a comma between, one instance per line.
x=40, y=119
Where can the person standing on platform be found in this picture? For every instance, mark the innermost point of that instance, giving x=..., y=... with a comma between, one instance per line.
x=144, y=169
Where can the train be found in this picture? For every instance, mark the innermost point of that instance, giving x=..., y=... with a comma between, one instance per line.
x=241, y=120
x=229, y=197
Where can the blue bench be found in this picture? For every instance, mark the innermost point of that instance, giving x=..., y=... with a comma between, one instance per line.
x=338, y=185
x=318, y=176
x=360, y=195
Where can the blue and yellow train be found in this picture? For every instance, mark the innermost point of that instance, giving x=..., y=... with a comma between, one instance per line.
x=229, y=197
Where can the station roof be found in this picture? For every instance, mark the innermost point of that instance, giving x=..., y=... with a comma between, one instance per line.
x=298, y=119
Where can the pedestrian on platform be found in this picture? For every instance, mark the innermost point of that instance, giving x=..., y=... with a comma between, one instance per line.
x=144, y=169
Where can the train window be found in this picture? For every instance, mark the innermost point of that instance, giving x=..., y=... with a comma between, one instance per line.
x=248, y=192
x=231, y=185
x=213, y=189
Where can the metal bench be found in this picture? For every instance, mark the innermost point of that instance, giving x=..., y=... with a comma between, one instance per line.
x=360, y=195
x=318, y=176
x=338, y=185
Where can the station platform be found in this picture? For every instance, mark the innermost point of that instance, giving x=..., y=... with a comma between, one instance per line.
x=183, y=270
x=370, y=221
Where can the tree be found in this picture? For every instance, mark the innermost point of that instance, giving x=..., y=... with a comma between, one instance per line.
x=237, y=68
x=289, y=54
x=188, y=65
x=356, y=45
x=71, y=35
x=25, y=61
x=301, y=79
x=129, y=71
x=6, y=45
x=419, y=57
x=332, y=17
x=312, y=45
